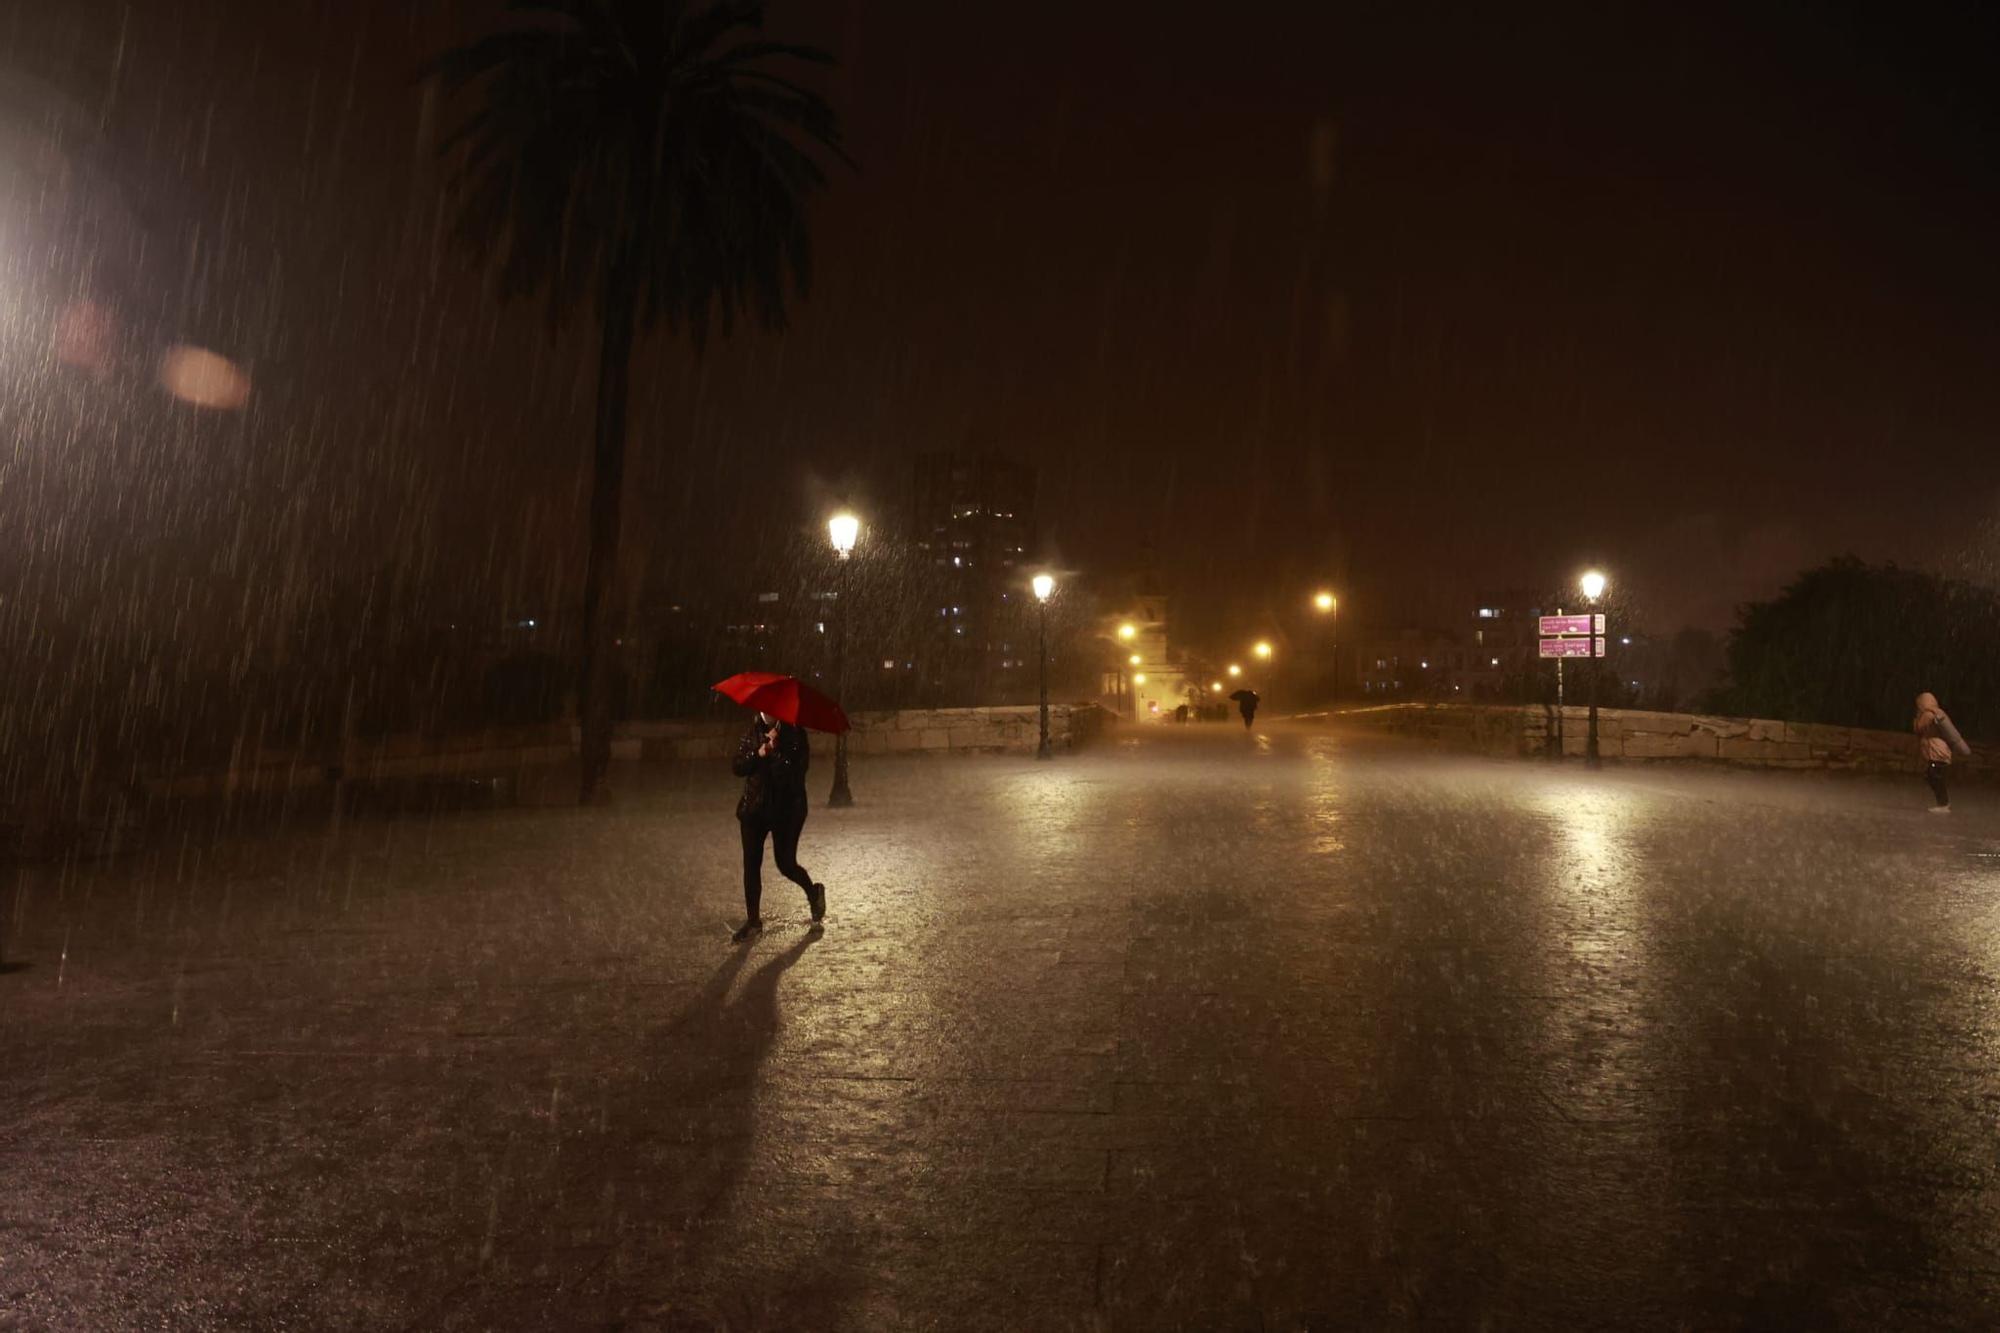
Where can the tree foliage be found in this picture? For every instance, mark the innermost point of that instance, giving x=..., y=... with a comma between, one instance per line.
x=1852, y=644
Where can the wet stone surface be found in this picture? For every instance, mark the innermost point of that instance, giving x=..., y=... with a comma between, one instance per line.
x=1206, y=1030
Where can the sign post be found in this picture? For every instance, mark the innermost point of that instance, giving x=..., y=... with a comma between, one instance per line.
x=1565, y=636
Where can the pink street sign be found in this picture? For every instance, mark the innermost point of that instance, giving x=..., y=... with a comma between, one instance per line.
x=1573, y=625
x=1570, y=647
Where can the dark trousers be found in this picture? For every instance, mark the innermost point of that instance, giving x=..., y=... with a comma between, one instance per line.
x=783, y=829
x=1248, y=713
x=1934, y=774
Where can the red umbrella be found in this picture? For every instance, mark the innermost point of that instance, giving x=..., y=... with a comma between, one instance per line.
x=786, y=698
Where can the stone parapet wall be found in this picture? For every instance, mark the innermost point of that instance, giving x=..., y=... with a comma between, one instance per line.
x=907, y=731
x=1635, y=734
x=503, y=752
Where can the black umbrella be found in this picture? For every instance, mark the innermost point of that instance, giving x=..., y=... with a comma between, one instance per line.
x=1245, y=696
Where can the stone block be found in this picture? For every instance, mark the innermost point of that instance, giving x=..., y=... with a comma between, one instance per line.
x=1821, y=738
x=935, y=738
x=1656, y=724
x=1864, y=741
x=903, y=740
x=1650, y=745
x=1721, y=726
x=964, y=737
x=1744, y=750
x=1766, y=729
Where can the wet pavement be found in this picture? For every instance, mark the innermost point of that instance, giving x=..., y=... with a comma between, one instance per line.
x=1204, y=1030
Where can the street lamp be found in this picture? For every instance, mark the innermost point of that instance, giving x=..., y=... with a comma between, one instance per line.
x=1128, y=631
x=1234, y=671
x=843, y=529
x=1043, y=584
x=1329, y=606
x=1263, y=651
x=1592, y=586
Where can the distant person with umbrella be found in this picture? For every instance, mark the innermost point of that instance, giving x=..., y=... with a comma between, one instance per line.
x=772, y=758
x=1247, y=701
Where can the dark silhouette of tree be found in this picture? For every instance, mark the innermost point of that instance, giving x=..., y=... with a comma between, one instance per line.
x=634, y=161
x=1852, y=644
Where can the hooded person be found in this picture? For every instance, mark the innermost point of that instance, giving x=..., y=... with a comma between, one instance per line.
x=1937, y=741
x=772, y=759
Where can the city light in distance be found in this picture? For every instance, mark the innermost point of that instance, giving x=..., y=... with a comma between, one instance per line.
x=1128, y=631
x=1234, y=670
x=1133, y=659
x=1325, y=601
x=1139, y=679
x=1263, y=650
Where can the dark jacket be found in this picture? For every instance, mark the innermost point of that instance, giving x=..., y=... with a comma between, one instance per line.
x=774, y=784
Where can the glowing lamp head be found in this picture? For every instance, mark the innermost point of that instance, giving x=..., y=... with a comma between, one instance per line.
x=1133, y=659
x=1139, y=679
x=1263, y=651
x=1128, y=632
x=1324, y=602
x=1234, y=670
x=845, y=530
x=1043, y=584
x=1215, y=685
x=1592, y=584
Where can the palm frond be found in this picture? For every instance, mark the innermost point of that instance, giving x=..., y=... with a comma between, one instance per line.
x=612, y=142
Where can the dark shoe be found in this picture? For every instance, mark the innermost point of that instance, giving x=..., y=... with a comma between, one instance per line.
x=816, y=899
x=748, y=929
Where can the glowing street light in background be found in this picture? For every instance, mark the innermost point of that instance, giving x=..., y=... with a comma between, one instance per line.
x=1234, y=671
x=1128, y=631
x=1133, y=659
x=1044, y=585
x=1324, y=602
x=1592, y=585
x=1263, y=651
x=843, y=530
x=1139, y=678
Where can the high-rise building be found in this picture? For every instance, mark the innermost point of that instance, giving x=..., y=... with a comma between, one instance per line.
x=973, y=526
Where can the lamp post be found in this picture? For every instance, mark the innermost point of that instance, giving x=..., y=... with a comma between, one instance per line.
x=844, y=530
x=1127, y=632
x=1043, y=584
x=1327, y=605
x=1592, y=586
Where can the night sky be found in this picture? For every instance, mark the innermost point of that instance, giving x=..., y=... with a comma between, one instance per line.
x=1411, y=299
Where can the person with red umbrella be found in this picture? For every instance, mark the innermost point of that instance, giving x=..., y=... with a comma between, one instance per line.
x=772, y=759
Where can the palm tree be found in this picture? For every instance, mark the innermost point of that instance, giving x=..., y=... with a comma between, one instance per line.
x=636, y=161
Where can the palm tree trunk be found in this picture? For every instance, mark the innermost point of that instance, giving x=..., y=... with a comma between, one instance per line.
x=607, y=493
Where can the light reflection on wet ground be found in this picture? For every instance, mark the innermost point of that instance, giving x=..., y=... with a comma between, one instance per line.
x=1201, y=1030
